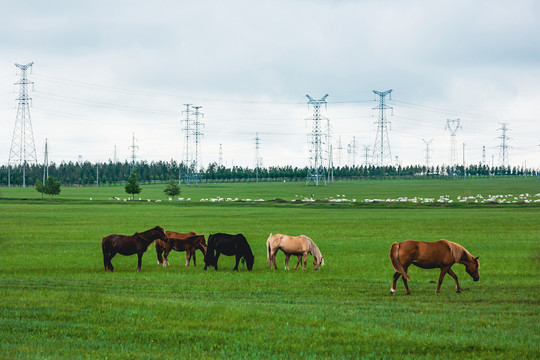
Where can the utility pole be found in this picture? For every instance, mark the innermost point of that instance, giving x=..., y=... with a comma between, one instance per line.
x=484, y=155
x=382, y=155
x=316, y=170
x=187, y=153
x=46, y=163
x=503, y=148
x=23, y=147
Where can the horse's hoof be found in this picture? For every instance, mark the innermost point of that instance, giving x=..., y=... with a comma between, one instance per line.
x=459, y=291
x=392, y=293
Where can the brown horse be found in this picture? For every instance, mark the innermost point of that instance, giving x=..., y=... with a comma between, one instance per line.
x=188, y=242
x=429, y=255
x=137, y=243
x=293, y=245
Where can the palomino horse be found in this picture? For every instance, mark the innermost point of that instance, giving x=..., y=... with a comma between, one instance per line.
x=230, y=245
x=137, y=243
x=429, y=255
x=293, y=245
x=188, y=242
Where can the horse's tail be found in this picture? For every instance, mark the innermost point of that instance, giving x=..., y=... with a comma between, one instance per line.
x=394, y=257
x=209, y=256
x=268, y=250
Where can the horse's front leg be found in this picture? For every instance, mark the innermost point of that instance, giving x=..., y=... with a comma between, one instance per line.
x=287, y=257
x=194, y=258
x=188, y=257
x=444, y=270
x=238, y=257
x=166, y=257
x=452, y=274
x=139, y=261
x=304, y=259
x=298, y=261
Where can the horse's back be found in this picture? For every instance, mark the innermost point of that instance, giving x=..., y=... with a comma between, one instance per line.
x=425, y=254
x=293, y=244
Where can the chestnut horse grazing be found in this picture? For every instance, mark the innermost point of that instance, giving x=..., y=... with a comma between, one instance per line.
x=429, y=255
x=293, y=245
x=188, y=242
x=137, y=243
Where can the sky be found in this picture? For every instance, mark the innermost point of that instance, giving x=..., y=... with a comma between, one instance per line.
x=107, y=71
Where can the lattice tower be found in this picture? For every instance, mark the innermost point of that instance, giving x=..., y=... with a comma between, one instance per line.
x=23, y=147
x=503, y=148
x=316, y=140
x=428, y=151
x=382, y=154
x=453, y=125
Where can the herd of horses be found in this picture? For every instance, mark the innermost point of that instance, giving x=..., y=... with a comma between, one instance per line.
x=427, y=255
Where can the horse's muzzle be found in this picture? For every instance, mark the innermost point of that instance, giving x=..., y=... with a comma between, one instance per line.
x=476, y=278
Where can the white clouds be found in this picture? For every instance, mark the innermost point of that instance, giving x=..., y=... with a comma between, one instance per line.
x=243, y=60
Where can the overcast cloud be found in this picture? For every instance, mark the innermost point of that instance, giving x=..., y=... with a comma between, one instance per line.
x=106, y=69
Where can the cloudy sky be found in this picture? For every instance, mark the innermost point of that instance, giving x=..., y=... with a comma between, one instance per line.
x=105, y=70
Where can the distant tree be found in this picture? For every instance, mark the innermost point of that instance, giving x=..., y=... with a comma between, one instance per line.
x=51, y=187
x=172, y=189
x=40, y=187
x=132, y=186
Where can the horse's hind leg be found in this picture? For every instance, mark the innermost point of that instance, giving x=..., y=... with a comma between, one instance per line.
x=452, y=274
x=287, y=257
x=444, y=270
x=394, y=281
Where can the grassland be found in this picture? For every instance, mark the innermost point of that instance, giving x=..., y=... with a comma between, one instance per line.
x=56, y=302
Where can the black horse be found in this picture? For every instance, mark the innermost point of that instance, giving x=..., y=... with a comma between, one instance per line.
x=230, y=245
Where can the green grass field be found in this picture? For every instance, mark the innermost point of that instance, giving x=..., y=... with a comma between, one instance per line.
x=57, y=302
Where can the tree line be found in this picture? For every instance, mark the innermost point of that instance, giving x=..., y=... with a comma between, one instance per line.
x=110, y=173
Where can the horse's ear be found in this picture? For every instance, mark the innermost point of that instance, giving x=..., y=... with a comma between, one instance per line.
x=476, y=258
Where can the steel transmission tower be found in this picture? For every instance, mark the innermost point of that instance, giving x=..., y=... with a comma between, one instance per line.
x=366, y=156
x=428, y=149
x=453, y=126
x=503, y=148
x=258, y=158
x=339, y=149
x=352, y=149
x=197, y=135
x=192, y=135
x=316, y=170
x=220, y=160
x=23, y=147
x=133, y=147
x=382, y=154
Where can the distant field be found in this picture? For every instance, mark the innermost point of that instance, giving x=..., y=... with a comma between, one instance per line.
x=56, y=301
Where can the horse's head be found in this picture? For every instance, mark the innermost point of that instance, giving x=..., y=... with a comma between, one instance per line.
x=160, y=233
x=250, y=259
x=472, y=268
x=318, y=262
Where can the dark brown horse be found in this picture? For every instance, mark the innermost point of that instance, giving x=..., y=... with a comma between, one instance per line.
x=188, y=242
x=137, y=243
x=430, y=255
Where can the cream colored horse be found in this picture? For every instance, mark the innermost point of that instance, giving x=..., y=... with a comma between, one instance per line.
x=293, y=245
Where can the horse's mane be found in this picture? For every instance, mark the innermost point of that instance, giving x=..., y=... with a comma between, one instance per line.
x=313, y=248
x=458, y=251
